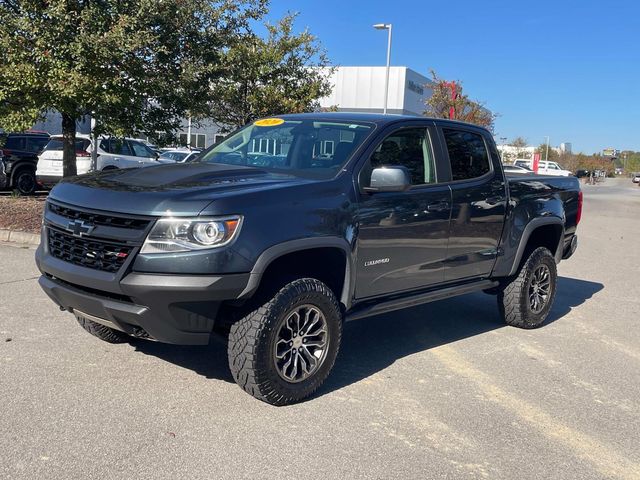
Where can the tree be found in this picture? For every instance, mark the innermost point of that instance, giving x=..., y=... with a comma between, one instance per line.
x=137, y=65
x=282, y=73
x=520, y=144
x=448, y=101
x=542, y=150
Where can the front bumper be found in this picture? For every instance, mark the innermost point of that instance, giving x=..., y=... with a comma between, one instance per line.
x=178, y=309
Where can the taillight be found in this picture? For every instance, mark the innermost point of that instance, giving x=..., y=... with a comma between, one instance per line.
x=579, y=212
x=83, y=153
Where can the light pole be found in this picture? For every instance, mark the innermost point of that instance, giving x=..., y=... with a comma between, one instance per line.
x=546, y=155
x=386, y=26
x=504, y=142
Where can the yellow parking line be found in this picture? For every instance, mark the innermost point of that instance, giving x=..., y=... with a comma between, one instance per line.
x=605, y=459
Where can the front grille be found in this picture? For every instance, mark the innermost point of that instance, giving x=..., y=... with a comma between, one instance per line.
x=99, y=219
x=90, y=253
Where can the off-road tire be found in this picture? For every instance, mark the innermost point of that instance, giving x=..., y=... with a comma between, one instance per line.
x=104, y=333
x=252, y=338
x=24, y=181
x=513, y=297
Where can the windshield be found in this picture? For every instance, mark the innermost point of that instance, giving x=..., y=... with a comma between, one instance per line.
x=307, y=148
x=175, y=156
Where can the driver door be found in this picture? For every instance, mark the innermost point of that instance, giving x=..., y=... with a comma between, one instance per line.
x=402, y=238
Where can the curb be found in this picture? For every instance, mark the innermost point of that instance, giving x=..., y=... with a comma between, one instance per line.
x=16, y=236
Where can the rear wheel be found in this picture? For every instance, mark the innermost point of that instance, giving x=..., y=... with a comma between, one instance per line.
x=24, y=181
x=526, y=300
x=104, y=333
x=283, y=351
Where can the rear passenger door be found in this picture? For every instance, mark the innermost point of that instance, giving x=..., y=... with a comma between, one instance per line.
x=478, y=201
x=118, y=154
x=402, y=236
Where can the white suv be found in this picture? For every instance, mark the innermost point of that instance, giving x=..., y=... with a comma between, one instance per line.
x=112, y=153
x=544, y=168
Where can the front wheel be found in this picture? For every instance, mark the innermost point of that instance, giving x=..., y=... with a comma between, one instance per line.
x=526, y=300
x=284, y=350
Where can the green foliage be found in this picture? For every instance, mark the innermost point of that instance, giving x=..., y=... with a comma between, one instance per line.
x=444, y=97
x=542, y=150
x=282, y=73
x=135, y=65
x=630, y=160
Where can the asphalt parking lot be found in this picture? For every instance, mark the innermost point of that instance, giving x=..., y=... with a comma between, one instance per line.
x=440, y=391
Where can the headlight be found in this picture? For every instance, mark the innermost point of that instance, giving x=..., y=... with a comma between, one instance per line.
x=170, y=235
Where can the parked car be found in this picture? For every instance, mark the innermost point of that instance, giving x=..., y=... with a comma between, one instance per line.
x=266, y=240
x=113, y=153
x=636, y=177
x=178, y=155
x=544, y=168
x=516, y=169
x=18, y=159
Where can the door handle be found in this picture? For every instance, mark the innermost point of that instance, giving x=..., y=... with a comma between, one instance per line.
x=494, y=200
x=438, y=207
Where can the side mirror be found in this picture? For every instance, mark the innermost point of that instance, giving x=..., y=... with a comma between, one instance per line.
x=389, y=179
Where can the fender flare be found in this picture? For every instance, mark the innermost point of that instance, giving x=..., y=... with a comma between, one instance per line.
x=526, y=234
x=273, y=253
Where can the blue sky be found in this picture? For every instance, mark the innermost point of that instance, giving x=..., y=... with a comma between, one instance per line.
x=567, y=69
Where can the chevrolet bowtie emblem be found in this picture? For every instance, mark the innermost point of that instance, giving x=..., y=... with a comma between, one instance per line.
x=78, y=228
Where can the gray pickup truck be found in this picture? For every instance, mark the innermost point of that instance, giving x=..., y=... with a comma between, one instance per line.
x=295, y=224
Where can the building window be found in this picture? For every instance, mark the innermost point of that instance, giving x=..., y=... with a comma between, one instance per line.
x=218, y=137
x=198, y=140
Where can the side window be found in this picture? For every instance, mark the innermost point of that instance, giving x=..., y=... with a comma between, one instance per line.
x=36, y=144
x=408, y=147
x=16, y=143
x=139, y=150
x=115, y=146
x=467, y=154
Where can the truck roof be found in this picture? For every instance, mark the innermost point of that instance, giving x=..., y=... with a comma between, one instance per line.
x=377, y=118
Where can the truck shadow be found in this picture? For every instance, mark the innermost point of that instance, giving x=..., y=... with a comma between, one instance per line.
x=371, y=345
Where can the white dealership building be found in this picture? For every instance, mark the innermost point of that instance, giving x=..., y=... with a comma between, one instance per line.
x=361, y=89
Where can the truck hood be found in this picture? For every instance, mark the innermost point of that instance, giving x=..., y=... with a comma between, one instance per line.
x=178, y=189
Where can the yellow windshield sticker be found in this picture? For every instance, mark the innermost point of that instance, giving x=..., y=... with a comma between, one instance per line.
x=268, y=122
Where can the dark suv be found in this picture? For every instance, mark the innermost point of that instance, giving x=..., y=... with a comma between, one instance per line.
x=19, y=158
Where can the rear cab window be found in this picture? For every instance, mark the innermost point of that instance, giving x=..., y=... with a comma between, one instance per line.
x=468, y=154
